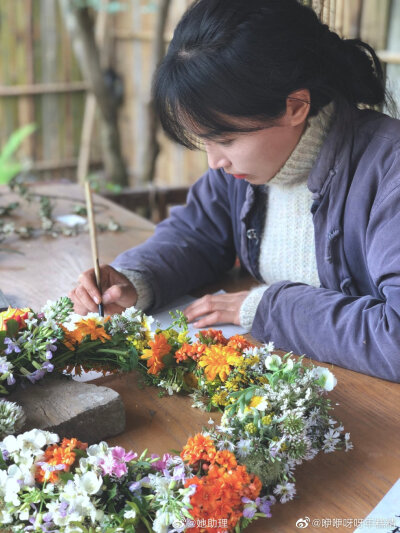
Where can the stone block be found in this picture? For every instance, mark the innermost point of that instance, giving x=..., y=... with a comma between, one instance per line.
x=83, y=410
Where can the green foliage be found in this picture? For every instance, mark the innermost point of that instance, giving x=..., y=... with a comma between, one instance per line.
x=9, y=167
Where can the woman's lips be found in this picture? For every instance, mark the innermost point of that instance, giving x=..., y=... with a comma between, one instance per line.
x=240, y=176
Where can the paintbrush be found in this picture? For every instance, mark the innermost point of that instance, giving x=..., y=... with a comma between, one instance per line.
x=93, y=240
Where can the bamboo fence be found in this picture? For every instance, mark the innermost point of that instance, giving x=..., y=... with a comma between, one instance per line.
x=40, y=80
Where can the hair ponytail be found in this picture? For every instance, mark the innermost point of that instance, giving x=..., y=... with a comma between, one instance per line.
x=352, y=68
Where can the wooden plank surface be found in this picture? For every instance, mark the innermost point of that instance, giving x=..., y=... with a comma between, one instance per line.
x=332, y=486
x=49, y=267
x=338, y=485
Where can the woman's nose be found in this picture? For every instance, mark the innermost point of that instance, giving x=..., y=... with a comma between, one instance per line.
x=216, y=159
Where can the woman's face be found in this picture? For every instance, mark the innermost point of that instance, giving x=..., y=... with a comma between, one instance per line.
x=255, y=156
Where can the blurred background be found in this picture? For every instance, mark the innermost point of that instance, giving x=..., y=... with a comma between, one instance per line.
x=81, y=70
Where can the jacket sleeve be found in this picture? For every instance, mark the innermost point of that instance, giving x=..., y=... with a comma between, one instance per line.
x=361, y=333
x=191, y=248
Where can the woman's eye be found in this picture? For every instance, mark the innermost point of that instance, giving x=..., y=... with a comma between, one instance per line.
x=226, y=142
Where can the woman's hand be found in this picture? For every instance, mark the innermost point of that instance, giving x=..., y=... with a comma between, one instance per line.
x=216, y=309
x=118, y=293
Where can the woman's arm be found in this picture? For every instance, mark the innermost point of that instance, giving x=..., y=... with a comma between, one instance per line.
x=191, y=248
x=361, y=333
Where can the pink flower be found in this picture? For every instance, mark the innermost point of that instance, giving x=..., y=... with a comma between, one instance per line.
x=162, y=463
x=121, y=455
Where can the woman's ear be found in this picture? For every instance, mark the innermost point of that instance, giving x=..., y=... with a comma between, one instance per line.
x=297, y=107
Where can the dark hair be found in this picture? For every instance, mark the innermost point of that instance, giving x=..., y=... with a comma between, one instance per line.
x=242, y=58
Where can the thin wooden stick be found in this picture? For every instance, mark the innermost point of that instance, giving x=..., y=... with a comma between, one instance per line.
x=93, y=240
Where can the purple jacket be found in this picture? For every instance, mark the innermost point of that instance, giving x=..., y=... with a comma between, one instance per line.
x=353, y=319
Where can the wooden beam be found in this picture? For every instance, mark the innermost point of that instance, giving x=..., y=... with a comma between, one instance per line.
x=43, y=88
x=41, y=166
x=138, y=36
x=393, y=58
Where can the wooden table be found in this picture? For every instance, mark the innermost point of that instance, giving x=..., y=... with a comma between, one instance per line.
x=332, y=486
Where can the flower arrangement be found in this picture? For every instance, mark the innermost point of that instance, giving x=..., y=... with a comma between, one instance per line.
x=35, y=344
x=275, y=415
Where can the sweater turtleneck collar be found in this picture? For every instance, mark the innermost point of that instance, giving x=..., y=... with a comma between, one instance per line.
x=297, y=168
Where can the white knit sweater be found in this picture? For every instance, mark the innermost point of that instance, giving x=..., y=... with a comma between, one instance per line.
x=287, y=243
x=287, y=249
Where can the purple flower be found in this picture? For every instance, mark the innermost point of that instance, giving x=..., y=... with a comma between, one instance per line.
x=5, y=454
x=264, y=506
x=162, y=463
x=48, y=366
x=12, y=346
x=251, y=506
x=136, y=485
x=36, y=376
x=50, y=348
x=10, y=380
x=249, y=512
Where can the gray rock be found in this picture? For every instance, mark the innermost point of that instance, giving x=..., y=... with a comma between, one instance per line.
x=72, y=409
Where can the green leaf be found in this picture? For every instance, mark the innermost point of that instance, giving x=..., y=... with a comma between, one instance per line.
x=12, y=327
x=8, y=167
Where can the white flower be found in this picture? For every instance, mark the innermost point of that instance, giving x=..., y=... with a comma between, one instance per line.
x=130, y=514
x=9, y=488
x=285, y=491
x=325, y=378
x=89, y=482
x=331, y=440
x=244, y=447
x=270, y=347
x=132, y=314
x=272, y=362
x=348, y=444
x=289, y=365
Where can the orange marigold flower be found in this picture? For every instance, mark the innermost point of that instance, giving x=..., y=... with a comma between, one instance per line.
x=92, y=327
x=19, y=315
x=198, y=448
x=238, y=342
x=218, y=360
x=154, y=355
x=73, y=444
x=226, y=459
x=56, y=455
x=214, y=336
x=220, y=490
x=184, y=352
x=71, y=338
x=192, y=351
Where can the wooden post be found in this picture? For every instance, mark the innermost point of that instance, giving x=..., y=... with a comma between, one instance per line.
x=90, y=106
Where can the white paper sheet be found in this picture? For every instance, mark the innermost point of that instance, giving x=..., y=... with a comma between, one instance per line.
x=162, y=319
x=385, y=518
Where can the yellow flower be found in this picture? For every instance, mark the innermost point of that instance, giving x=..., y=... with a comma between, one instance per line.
x=259, y=402
x=183, y=337
x=218, y=360
x=13, y=314
x=266, y=420
x=220, y=398
x=250, y=428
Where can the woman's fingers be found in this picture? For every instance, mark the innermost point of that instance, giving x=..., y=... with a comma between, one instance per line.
x=117, y=292
x=216, y=309
x=83, y=302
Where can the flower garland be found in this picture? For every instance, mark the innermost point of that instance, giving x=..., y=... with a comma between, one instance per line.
x=275, y=416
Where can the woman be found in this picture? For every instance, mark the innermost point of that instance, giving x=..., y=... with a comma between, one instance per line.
x=303, y=186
